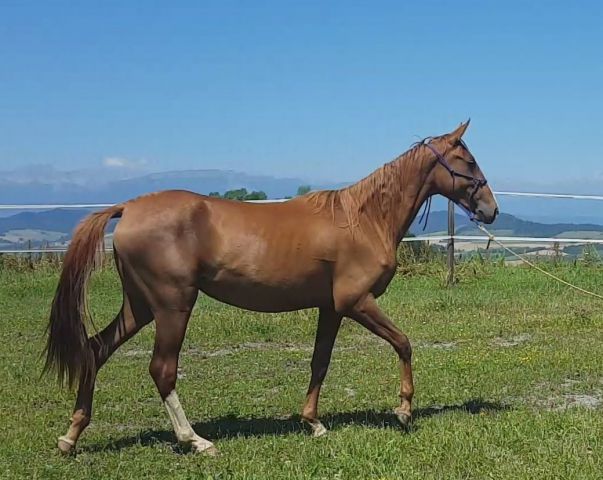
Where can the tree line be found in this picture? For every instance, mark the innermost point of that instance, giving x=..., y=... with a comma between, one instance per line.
x=242, y=194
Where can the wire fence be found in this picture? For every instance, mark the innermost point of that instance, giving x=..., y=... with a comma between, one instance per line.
x=451, y=238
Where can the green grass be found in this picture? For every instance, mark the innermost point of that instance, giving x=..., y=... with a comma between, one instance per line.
x=505, y=364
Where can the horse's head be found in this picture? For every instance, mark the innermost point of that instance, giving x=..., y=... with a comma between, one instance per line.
x=457, y=176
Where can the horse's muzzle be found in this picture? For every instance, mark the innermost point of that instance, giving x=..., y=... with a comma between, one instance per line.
x=486, y=215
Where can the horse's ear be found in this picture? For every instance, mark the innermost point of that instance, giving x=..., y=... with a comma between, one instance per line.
x=457, y=134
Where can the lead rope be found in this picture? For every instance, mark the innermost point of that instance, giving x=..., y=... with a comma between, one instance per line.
x=492, y=238
x=425, y=213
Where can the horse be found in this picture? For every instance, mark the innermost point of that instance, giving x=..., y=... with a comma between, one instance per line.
x=334, y=250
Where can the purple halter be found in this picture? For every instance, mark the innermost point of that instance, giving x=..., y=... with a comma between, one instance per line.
x=477, y=184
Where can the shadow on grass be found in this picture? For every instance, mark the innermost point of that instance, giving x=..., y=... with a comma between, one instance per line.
x=231, y=426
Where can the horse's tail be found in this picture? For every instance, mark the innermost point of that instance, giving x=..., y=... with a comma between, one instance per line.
x=68, y=349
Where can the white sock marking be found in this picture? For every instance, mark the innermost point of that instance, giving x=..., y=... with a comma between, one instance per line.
x=183, y=429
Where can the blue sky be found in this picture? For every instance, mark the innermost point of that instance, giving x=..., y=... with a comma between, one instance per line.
x=321, y=90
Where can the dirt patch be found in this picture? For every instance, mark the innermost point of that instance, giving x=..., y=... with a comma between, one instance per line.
x=350, y=392
x=569, y=383
x=221, y=352
x=248, y=346
x=135, y=353
x=512, y=341
x=437, y=345
x=582, y=400
x=284, y=347
x=571, y=400
x=547, y=398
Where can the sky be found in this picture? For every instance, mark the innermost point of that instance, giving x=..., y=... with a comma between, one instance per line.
x=319, y=90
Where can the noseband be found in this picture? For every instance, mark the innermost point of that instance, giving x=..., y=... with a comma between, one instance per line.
x=477, y=183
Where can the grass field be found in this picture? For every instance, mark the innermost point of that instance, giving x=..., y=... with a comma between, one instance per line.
x=508, y=372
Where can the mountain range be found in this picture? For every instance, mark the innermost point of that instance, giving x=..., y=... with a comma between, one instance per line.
x=74, y=188
x=33, y=228
x=45, y=184
x=504, y=224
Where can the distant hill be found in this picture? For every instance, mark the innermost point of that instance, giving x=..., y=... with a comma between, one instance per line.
x=510, y=224
x=102, y=184
x=526, y=228
x=65, y=220
x=58, y=220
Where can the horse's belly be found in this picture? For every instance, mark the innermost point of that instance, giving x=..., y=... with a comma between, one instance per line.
x=278, y=295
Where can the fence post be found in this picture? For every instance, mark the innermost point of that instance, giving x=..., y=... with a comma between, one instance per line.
x=29, y=255
x=450, y=246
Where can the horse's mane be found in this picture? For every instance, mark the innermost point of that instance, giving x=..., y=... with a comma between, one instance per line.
x=374, y=194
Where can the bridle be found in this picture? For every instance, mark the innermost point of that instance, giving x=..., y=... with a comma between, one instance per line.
x=477, y=183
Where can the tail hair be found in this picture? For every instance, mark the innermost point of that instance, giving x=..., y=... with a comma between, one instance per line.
x=68, y=350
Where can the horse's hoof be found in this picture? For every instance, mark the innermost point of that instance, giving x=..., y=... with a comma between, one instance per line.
x=404, y=418
x=210, y=451
x=66, y=445
x=204, y=447
x=318, y=430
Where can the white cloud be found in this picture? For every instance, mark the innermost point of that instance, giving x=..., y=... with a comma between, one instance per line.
x=120, y=162
x=114, y=162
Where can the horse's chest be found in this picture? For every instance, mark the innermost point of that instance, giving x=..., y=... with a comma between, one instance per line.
x=383, y=280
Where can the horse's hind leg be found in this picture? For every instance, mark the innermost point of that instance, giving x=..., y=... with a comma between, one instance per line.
x=328, y=326
x=131, y=318
x=170, y=330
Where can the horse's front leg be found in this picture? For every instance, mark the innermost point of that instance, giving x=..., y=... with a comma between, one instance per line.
x=328, y=326
x=368, y=314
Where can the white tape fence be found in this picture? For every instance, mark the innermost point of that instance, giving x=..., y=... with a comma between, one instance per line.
x=420, y=238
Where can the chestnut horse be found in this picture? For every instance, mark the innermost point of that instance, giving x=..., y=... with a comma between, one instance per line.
x=332, y=250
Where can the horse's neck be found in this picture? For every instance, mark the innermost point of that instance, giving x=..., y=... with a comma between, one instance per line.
x=400, y=197
x=408, y=211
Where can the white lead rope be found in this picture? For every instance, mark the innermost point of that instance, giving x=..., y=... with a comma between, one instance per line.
x=492, y=238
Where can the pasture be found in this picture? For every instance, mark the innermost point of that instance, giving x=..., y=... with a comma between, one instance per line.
x=508, y=373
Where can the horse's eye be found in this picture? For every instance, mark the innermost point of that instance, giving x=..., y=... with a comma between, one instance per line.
x=470, y=160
